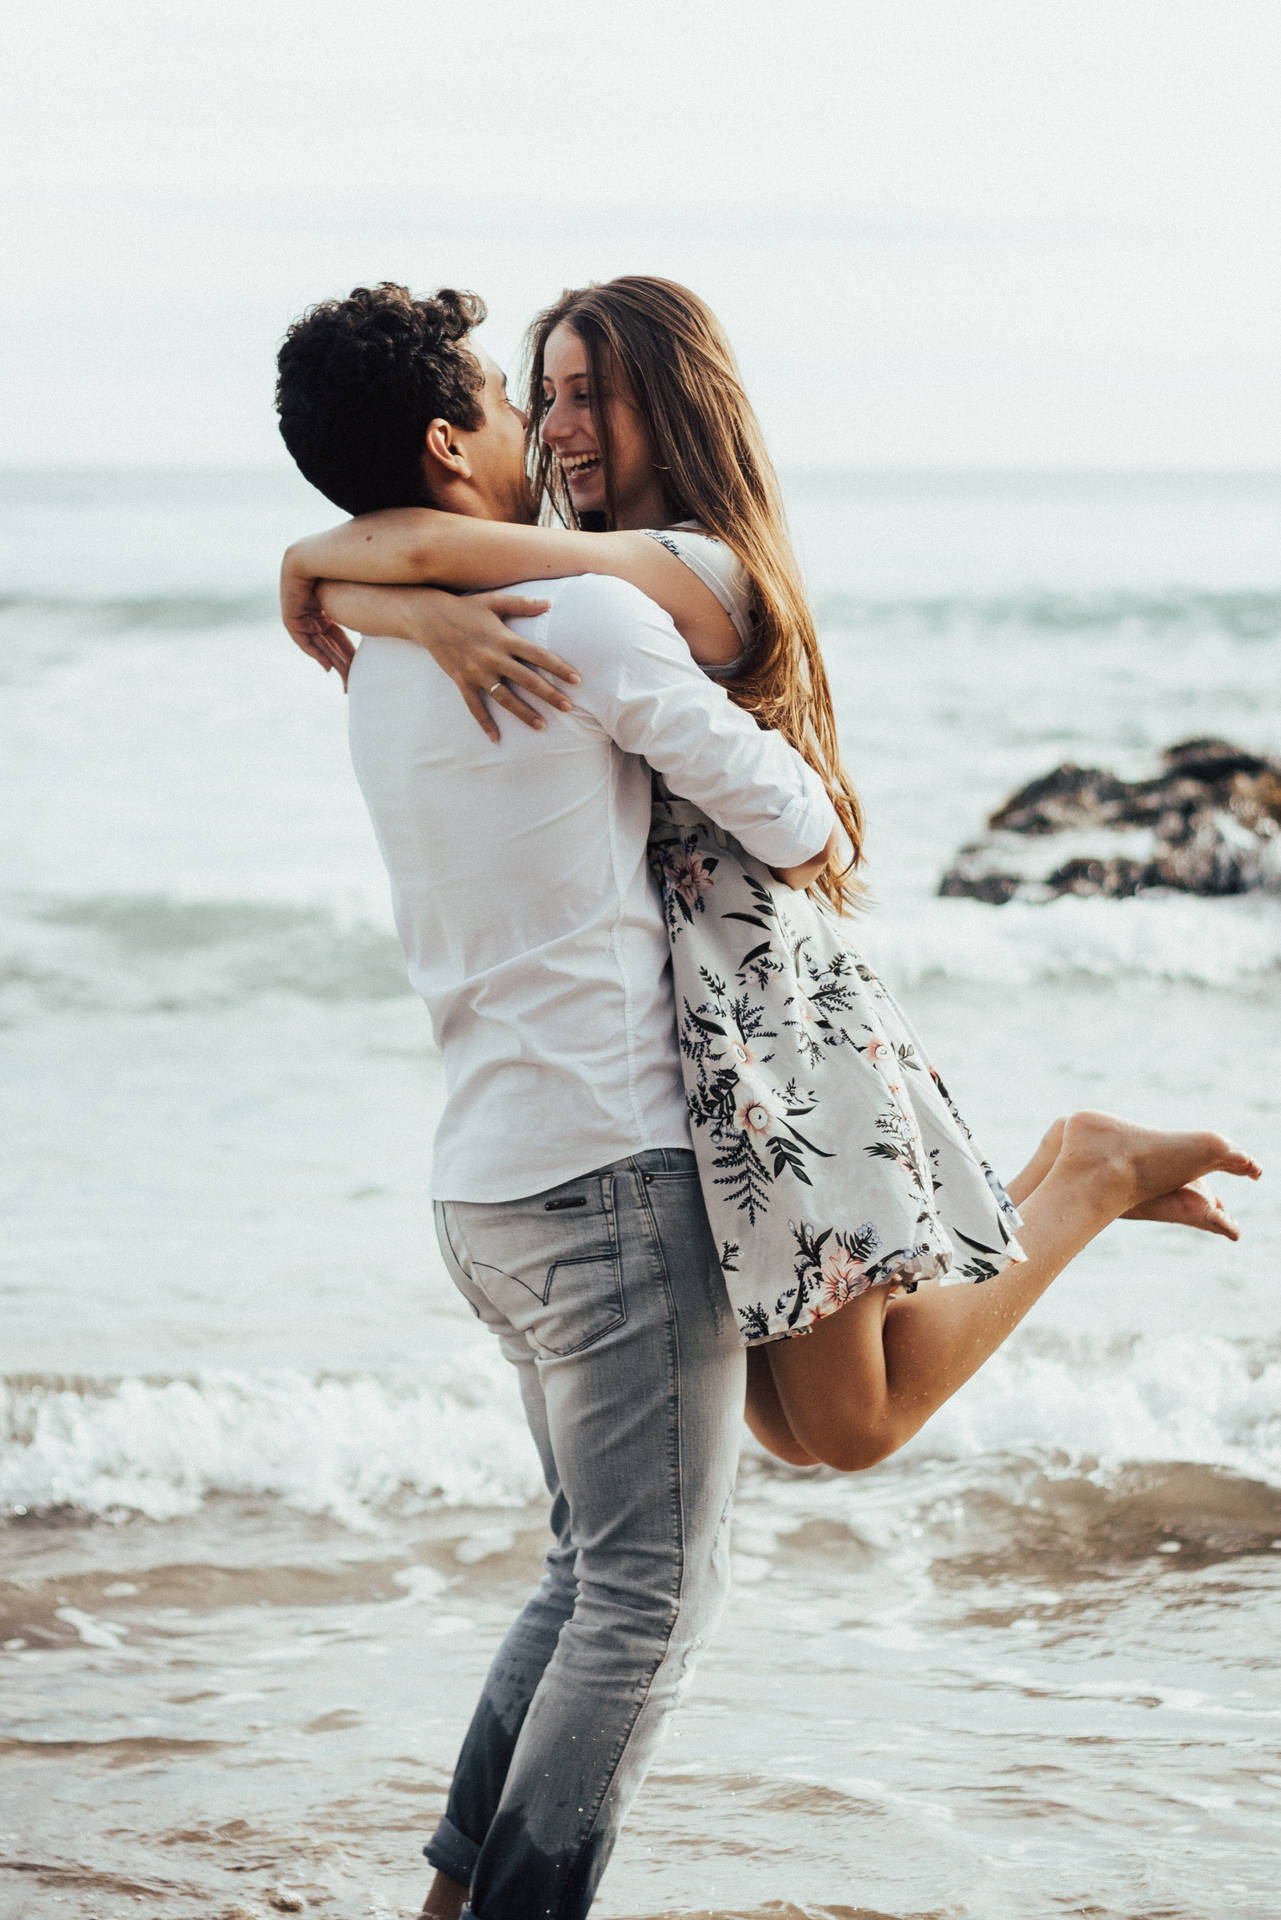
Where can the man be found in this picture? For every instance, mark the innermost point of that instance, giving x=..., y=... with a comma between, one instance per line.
x=567, y=1202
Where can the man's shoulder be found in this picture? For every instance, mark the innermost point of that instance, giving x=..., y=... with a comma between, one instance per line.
x=578, y=595
x=596, y=610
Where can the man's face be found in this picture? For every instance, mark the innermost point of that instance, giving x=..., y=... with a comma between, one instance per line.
x=496, y=450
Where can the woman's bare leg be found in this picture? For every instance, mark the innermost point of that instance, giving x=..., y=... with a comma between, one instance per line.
x=764, y=1413
x=1190, y=1206
x=869, y=1377
x=1029, y=1178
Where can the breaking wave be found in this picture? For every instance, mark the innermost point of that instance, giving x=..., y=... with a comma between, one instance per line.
x=140, y=953
x=136, y=953
x=146, y=613
x=1245, y=616
x=1055, y=1412
x=347, y=1447
x=1232, y=943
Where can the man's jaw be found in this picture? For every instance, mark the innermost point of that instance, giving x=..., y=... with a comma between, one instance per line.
x=524, y=504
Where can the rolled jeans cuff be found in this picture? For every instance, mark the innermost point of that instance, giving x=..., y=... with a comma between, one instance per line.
x=451, y=1852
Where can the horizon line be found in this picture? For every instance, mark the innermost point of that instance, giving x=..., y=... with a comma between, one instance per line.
x=849, y=469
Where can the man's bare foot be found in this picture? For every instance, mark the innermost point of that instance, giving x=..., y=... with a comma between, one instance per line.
x=445, y=1899
x=1138, y=1166
x=1191, y=1206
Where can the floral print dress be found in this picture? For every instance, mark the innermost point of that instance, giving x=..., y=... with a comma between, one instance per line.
x=830, y=1156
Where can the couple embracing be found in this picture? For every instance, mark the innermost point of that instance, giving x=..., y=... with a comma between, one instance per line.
x=693, y=1162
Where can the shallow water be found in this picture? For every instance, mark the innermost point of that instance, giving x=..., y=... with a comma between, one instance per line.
x=270, y=1501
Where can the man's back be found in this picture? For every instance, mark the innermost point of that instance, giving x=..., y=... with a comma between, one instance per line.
x=519, y=880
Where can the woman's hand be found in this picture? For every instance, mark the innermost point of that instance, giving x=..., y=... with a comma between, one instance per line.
x=308, y=625
x=806, y=874
x=466, y=635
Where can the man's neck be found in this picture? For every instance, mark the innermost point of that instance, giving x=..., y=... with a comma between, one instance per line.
x=465, y=502
x=464, y=499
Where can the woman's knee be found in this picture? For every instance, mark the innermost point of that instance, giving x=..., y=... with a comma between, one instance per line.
x=766, y=1420
x=788, y=1449
x=777, y=1438
x=849, y=1445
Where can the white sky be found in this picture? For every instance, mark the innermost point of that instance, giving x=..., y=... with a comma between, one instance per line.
x=940, y=232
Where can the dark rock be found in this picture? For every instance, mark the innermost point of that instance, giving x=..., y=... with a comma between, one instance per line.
x=1211, y=759
x=994, y=888
x=1068, y=797
x=1118, y=878
x=1209, y=823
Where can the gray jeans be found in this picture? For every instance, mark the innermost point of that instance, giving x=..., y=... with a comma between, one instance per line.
x=608, y=1300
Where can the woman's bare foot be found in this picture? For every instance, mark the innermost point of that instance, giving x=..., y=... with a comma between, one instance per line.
x=1191, y=1206
x=1143, y=1166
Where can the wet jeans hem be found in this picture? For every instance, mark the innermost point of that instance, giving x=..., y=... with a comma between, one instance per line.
x=451, y=1852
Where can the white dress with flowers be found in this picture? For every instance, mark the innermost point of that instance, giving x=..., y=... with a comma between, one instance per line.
x=830, y=1156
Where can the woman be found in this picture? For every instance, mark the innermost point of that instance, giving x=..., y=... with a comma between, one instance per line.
x=836, y=1172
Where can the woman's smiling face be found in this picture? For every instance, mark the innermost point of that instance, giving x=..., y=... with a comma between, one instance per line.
x=569, y=430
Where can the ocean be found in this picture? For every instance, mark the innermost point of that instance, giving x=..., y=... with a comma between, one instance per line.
x=266, y=1497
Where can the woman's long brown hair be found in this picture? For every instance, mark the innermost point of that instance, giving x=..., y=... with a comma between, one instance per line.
x=670, y=351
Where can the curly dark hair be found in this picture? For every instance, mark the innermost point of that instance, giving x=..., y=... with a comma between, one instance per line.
x=359, y=381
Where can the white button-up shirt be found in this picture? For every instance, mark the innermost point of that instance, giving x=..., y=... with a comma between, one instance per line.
x=531, y=924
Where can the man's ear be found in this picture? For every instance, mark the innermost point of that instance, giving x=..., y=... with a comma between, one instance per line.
x=444, y=456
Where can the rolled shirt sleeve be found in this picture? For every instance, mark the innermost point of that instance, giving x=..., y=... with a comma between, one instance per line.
x=641, y=685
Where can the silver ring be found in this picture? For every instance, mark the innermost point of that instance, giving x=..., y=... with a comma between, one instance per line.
x=497, y=684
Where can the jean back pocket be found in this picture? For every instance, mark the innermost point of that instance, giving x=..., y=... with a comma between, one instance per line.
x=553, y=1273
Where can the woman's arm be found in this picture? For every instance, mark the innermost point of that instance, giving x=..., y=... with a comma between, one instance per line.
x=415, y=545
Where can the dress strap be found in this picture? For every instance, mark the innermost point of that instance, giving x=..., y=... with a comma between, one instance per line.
x=719, y=569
